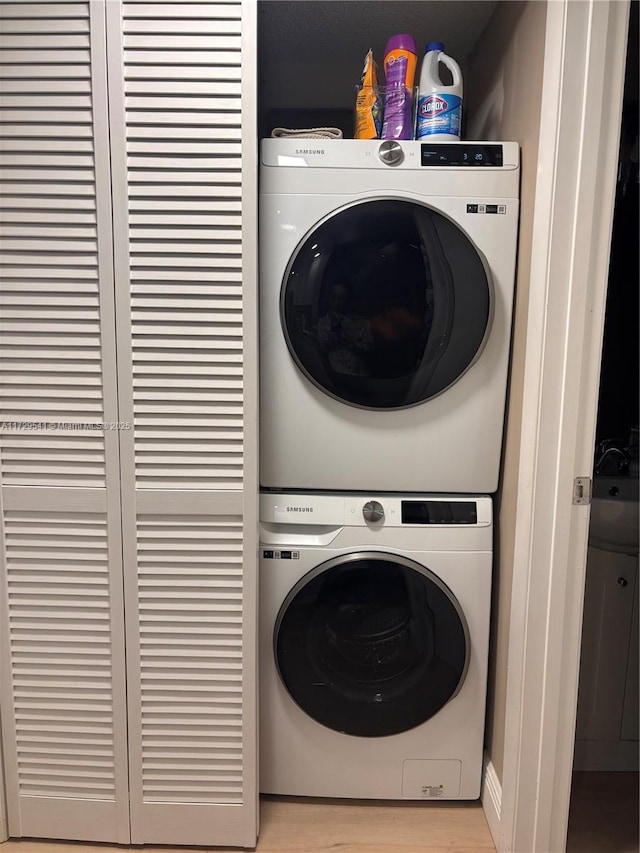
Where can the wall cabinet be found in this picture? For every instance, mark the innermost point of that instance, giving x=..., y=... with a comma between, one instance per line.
x=607, y=722
x=127, y=396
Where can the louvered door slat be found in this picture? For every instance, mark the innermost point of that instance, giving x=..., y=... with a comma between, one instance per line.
x=223, y=69
x=29, y=26
x=79, y=56
x=190, y=42
x=63, y=41
x=24, y=71
x=46, y=85
x=54, y=10
x=197, y=11
x=178, y=58
x=62, y=685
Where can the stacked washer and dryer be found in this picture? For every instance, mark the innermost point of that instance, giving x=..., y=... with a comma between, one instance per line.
x=386, y=278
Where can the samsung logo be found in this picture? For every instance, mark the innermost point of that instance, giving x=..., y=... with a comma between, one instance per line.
x=299, y=509
x=309, y=150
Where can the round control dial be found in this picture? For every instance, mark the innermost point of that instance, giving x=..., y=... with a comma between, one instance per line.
x=373, y=511
x=391, y=153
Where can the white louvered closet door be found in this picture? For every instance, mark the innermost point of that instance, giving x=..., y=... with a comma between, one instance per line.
x=62, y=685
x=182, y=99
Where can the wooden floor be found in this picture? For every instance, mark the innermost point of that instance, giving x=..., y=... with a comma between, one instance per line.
x=603, y=819
x=603, y=816
x=318, y=826
x=291, y=825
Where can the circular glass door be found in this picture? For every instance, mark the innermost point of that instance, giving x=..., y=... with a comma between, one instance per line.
x=385, y=304
x=371, y=644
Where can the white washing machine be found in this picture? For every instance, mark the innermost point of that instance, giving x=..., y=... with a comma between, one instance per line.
x=386, y=280
x=374, y=631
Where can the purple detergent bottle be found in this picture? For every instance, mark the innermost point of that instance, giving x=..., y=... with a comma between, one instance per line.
x=400, y=60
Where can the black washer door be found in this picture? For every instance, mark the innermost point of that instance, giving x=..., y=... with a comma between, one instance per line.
x=371, y=644
x=385, y=304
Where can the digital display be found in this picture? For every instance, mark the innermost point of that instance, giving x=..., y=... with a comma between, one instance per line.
x=439, y=512
x=460, y=155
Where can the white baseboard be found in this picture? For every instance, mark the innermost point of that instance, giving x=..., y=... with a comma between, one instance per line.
x=491, y=797
x=4, y=830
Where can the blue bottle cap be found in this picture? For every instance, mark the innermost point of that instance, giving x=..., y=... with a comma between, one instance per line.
x=434, y=45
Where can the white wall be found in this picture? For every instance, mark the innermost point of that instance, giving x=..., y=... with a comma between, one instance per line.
x=503, y=101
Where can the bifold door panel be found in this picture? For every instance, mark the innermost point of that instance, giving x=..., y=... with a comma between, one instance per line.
x=63, y=679
x=128, y=706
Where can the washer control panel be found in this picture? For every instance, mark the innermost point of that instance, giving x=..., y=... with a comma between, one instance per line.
x=310, y=512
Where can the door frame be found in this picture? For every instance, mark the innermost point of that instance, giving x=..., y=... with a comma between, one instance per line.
x=583, y=85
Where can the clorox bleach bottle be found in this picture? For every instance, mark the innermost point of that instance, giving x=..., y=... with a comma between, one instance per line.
x=439, y=106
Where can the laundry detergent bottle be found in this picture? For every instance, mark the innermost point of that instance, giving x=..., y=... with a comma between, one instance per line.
x=439, y=106
x=400, y=60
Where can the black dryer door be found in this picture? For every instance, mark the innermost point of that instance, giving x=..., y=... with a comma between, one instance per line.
x=385, y=304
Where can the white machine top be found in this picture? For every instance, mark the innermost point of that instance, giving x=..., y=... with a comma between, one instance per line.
x=356, y=510
x=418, y=155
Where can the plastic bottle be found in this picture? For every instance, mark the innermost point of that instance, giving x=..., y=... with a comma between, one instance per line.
x=400, y=60
x=439, y=106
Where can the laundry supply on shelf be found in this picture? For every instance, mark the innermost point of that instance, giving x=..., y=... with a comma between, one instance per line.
x=400, y=60
x=307, y=133
x=439, y=107
x=368, y=123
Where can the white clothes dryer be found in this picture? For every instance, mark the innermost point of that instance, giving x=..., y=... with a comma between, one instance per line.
x=374, y=632
x=386, y=280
